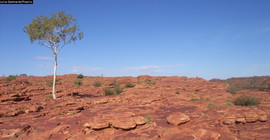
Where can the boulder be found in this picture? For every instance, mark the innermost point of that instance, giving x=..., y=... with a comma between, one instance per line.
x=99, y=124
x=139, y=120
x=177, y=118
x=124, y=123
x=251, y=117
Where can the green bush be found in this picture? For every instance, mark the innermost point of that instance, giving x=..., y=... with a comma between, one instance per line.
x=150, y=82
x=232, y=89
x=97, y=84
x=195, y=99
x=130, y=85
x=80, y=76
x=211, y=105
x=50, y=82
x=78, y=82
x=23, y=75
x=245, y=100
x=177, y=92
x=148, y=118
x=10, y=78
x=115, y=91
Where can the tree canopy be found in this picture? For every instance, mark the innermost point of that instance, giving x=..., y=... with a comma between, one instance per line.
x=54, y=32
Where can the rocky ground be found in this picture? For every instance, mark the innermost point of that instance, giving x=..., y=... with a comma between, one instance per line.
x=155, y=108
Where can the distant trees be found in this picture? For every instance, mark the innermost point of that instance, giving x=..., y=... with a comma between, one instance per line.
x=54, y=32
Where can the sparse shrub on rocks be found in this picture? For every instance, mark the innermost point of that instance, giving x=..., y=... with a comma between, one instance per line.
x=177, y=92
x=115, y=91
x=10, y=78
x=211, y=105
x=148, y=118
x=97, y=84
x=80, y=76
x=23, y=75
x=227, y=104
x=78, y=82
x=232, y=89
x=130, y=85
x=150, y=82
x=48, y=96
x=50, y=82
x=246, y=100
x=195, y=99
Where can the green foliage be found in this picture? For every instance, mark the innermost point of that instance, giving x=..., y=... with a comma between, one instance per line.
x=23, y=75
x=10, y=78
x=150, y=82
x=177, y=92
x=115, y=91
x=195, y=99
x=232, y=89
x=148, y=118
x=130, y=85
x=97, y=84
x=50, y=82
x=246, y=100
x=48, y=96
x=80, y=76
x=227, y=104
x=211, y=105
x=77, y=82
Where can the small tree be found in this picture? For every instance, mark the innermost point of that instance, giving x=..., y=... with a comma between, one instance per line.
x=54, y=33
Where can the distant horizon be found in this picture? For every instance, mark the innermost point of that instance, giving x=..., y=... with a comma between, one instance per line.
x=208, y=39
x=133, y=76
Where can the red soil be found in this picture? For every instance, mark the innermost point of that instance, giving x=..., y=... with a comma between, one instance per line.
x=84, y=112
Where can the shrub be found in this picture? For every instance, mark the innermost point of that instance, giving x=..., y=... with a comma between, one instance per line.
x=78, y=82
x=148, y=118
x=227, y=104
x=177, y=92
x=23, y=75
x=80, y=76
x=130, y=85
x=115, y=91
x=114, y=83
x=245, y=100
x=195, y=99
x=232, y=89
x=50, y=82
x=10, y=78
x=211, y=105
x=150, y=82
x=97, y=84
x=48, y=96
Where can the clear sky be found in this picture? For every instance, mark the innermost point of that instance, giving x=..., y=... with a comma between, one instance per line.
x=194, y=38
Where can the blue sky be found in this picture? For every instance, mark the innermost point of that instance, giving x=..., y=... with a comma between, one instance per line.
x=194, y=38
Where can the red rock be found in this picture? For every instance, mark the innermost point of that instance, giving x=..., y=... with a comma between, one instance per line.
x=139, y=120
x=124, y=123
x=251, y=117
x=100, y=124
x=177, y=118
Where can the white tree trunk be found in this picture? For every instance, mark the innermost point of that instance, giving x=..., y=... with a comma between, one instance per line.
x=54, y=76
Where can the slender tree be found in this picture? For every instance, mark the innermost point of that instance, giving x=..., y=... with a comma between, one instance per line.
x=54, y=32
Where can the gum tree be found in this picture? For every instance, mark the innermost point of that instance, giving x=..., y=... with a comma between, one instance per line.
x=54, y=32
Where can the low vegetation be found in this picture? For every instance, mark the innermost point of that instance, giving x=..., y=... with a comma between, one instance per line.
x=232, y=89
x=10, y=78
x=150, y=82
x=80, y=76
x=177, y=92
x=246, y=100
x=211, y=105
x=195, y=99
x=50, y=82
x=78, y=82
x=148, y=118
x=115, y=90
x=130, y=85
x=97, y=84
